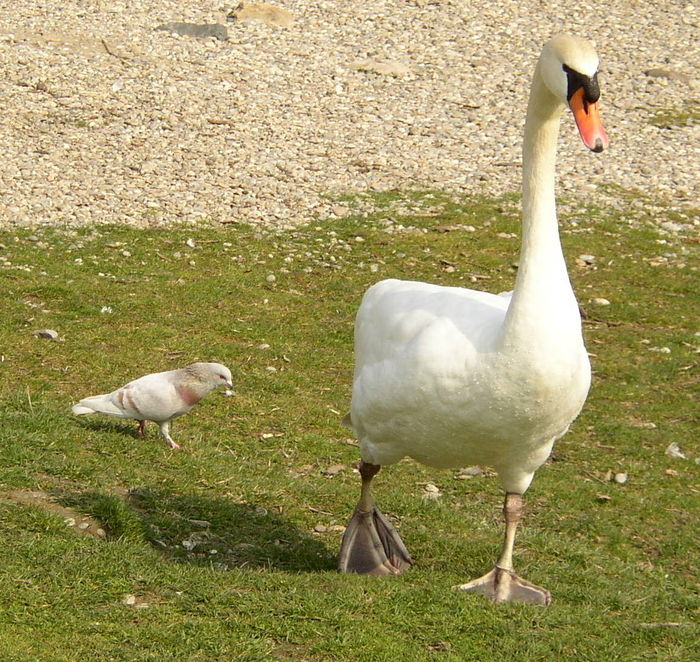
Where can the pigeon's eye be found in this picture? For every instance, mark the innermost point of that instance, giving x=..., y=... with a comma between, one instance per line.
x=222, y=377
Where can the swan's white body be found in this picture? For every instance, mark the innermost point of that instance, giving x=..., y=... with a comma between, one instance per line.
x=439, y=379
x=451, y=376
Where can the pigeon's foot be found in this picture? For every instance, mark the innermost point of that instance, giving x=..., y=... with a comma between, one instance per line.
x=165, y=431
x=500, y=585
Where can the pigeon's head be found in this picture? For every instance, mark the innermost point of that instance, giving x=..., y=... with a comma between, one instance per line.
x=212, y=374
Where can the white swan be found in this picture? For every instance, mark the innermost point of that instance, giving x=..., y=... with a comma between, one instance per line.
x=450, y=376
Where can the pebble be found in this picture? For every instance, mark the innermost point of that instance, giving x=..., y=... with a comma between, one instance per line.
x=200, y=31
x=431, y=492
x=49, y=334
x=600, y=301
x=333, y=470
x=674, y=450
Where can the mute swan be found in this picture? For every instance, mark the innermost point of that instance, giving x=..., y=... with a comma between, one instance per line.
x=450, y=376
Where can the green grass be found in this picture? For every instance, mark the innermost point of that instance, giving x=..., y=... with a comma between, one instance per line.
x=687, y=115
x=248, y=490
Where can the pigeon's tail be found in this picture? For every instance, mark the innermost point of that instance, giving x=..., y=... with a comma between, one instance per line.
x=101, y=404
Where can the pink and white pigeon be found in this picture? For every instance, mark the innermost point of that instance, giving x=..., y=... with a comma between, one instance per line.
x=159, y=397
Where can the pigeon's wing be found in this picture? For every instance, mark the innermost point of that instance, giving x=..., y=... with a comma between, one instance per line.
x=154, y=397
x=99, y=404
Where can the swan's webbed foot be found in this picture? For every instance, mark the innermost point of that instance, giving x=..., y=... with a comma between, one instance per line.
x=372, y=546
x=501, y=585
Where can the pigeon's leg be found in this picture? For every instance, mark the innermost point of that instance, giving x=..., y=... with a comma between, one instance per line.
x=501, y=584
x=371, y=545
x=141, y=429
x=165, y=431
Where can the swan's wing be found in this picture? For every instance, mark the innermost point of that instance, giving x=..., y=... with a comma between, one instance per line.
x=417, y=350
x=397, y=317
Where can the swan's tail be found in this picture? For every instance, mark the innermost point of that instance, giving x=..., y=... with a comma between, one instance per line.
x=97, y=404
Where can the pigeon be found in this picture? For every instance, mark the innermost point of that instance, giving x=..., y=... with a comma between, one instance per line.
x=159, y=397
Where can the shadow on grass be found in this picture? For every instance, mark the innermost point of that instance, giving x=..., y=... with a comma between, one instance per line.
x=111, y=425
x=206, y=531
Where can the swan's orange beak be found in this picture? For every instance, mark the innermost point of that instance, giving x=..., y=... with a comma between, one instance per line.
x=588, y=122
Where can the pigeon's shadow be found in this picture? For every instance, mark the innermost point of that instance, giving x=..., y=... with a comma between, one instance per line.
x=216, y=531
x=111, y=425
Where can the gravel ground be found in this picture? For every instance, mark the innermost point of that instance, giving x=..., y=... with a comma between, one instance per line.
x=106, y=120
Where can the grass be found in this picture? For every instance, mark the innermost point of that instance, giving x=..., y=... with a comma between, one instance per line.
x=687, y=115
x=255, y=579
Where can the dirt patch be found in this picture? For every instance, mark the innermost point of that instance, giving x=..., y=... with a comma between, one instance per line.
x=82, y=524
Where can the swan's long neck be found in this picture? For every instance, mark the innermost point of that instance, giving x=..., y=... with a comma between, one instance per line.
x=542, y=299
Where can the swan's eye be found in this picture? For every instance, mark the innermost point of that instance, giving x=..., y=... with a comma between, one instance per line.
x=576, y=81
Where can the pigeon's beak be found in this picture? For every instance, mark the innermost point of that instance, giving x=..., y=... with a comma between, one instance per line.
x=229, y=383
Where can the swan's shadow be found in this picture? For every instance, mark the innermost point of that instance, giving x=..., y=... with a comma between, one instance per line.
x=216, y=531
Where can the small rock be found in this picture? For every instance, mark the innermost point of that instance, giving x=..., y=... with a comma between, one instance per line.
x=671, y=226
x=379, y=66
x=660, y=350
x=262, y=13
x=674, y=450
x=49, y=334
x=106, y=310
x=670, y=74
x=472, y=471
x=320, y=528
x=644, y=425
x=200, y=31
x=271, y=278
x=189, y=545
x=190, y=243
x=333, y=470
x=604, y=498
x=129, y=600
x=431, y=492
x=599, y=301
x=620, y=478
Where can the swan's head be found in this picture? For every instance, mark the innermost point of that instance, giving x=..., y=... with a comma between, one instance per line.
x=569, y=68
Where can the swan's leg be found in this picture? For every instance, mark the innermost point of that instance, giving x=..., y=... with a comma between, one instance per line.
x=141, y=429
x=165, y=431
x=502, y=584
x=371, y=545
